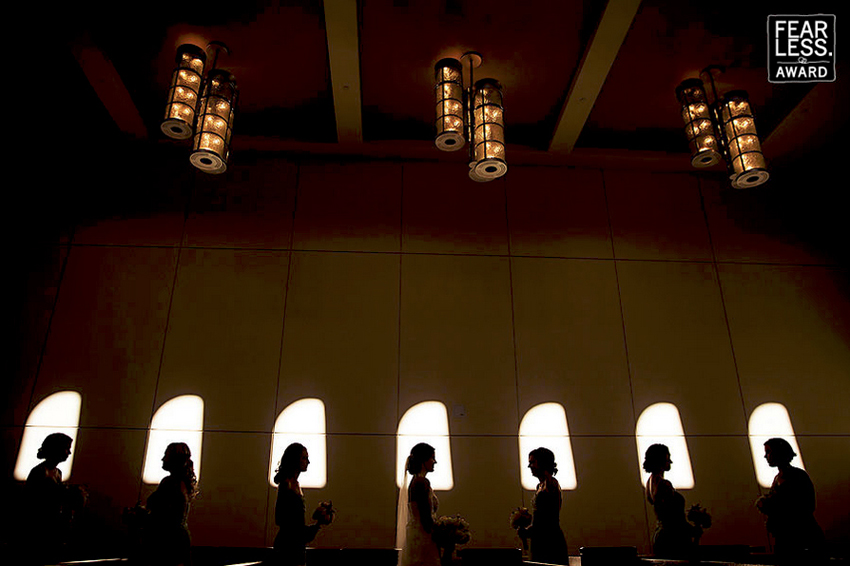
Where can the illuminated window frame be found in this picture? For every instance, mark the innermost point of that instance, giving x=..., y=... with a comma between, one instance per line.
x=660, y=423
x=428, y=422
x=180, y=419
x=59, y=412
x=302, y=421
x=546, y=425
x=770, y=420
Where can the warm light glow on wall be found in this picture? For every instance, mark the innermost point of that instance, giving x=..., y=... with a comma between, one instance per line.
x=546, y=425
x=60, y=412
x=302, y=421
x=180, y=419
x=426, y=422
x=771, y=420
x=660, y=424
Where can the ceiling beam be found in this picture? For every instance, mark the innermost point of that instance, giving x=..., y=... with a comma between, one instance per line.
x=816, y=121
x=109, y=87
x=592, y=72
x=344, y=60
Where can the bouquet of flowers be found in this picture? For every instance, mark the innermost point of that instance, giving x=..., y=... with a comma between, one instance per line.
x=450, y=531
x=520, y=519
x=324, y=513
x=700, y=519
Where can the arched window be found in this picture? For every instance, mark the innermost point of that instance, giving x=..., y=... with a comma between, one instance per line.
x=60, y=412
x=770, y=420
x=546, y=425
x=180, y=419
x=427, y=421
x=660, y=424
x=304, y=422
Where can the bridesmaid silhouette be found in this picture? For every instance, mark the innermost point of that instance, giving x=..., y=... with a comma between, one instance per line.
x=547, y=539
x=789, y=507
x=290, y=509
x=674, y=536
x=49, y=503
x=168, y=542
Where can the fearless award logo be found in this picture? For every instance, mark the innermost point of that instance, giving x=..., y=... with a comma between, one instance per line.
x=801, y=49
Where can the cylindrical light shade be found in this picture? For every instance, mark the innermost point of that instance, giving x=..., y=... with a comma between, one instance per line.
x=184, y=93
x=747, y=166
x=449, y=91
x=211, y=146
x=489, y=130
x=696, y=113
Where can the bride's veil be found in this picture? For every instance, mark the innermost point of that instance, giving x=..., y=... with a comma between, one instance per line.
x=402, y=514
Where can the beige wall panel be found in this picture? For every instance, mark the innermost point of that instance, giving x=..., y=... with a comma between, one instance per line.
x=558, y=212
x=250, y=206
x=791, y=331
x=678, y=344
x=341, y=339
x=570, y=344
x=108, y=462
x=142, y=207
x=230, y=509
x=725, y=484
x=224, y=336
x=446, y=212
x=348, y=207
x=745, y=226
x=40, y=268
x=456, y=341
x=107, y=332
x=361, y=485
x=486, y=488
x=606, y=507
x=827, y=460
x=656, y=216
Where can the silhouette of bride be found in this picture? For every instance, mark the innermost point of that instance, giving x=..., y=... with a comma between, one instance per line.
x=417, y=508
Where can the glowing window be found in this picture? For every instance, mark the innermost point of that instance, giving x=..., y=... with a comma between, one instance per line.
x=770, y=420
x=59, y=412
x=426, y=422
x=546, y=425
x=660, y=424
x=180, y=419
x=302, y=421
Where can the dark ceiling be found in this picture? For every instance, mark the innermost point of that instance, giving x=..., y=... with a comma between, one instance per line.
x=115, y=67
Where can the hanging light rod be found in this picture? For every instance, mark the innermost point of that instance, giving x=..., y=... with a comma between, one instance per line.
x=721, y=127
x=474, y=114
x=202, y=105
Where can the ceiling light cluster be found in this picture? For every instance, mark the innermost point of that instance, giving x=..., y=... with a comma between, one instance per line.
x=202, y=106
x=722, y=127
x=475, y=114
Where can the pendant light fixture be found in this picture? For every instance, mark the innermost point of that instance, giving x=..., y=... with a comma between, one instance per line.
x=722, y=126
x=202, y=107
x=213, y=129
x=475, y=114
x=184, y=93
